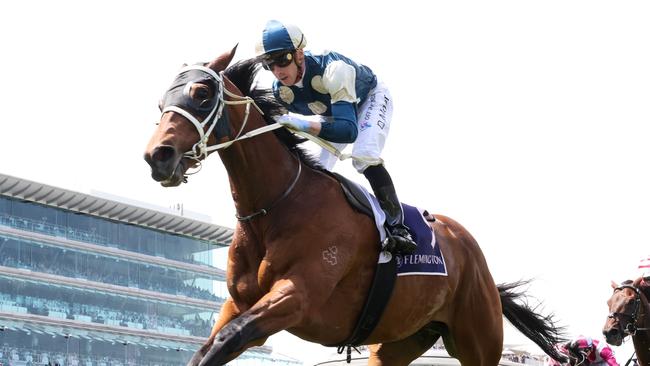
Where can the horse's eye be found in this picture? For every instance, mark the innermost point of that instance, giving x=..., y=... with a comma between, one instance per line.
x=202, y=93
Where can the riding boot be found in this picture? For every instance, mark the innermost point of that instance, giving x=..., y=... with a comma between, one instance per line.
x=395, y=220
x=384, y=189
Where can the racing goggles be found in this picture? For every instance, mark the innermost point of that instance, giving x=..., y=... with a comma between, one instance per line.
x=279, y=59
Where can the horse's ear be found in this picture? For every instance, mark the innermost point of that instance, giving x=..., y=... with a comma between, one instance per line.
x=637, y=282
x=614, y=285
x=220, y=63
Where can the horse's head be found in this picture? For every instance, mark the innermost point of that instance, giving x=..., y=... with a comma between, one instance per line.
x=190, y=108
x=624, y=307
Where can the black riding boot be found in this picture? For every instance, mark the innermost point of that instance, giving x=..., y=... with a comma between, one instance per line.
x=383, y=187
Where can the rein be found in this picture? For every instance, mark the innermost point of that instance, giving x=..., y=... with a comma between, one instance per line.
x=631, y=327
x=583, y=360
x=201, y=149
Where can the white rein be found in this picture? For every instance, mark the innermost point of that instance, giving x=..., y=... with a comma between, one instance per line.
x=201, y=148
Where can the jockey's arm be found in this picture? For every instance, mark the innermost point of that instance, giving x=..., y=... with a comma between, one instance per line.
x=344, y=127
x=339, y=81
x=607, y=355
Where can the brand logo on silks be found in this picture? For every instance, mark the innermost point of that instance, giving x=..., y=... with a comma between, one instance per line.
x=427, y=260
x=365, y=124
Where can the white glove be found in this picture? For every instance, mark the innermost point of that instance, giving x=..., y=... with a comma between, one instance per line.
x=294, y=123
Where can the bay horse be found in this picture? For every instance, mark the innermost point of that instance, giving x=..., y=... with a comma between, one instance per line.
x=629, y=316
x=302, y=259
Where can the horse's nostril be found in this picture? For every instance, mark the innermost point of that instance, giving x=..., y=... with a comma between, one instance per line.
x=610, y=333
x=162, y=154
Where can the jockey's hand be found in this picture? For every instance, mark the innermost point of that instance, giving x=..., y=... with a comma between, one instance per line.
x=294, y=123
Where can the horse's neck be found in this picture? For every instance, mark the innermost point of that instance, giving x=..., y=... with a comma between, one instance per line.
x=261, y=168
x=642, y=338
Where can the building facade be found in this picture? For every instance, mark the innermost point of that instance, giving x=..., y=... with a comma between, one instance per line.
x=86, y=280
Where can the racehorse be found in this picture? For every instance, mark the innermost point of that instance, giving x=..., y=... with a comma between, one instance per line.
x=574, y=355
x=302, y=259
x=629, y=316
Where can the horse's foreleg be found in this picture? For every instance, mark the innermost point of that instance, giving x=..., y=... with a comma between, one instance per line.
x=279, y=309
x=227, y=313
x=404, y=351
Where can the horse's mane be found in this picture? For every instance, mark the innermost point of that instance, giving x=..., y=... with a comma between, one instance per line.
x=243, y=75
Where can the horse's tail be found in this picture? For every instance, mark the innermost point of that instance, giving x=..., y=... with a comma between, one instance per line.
x=538, y=328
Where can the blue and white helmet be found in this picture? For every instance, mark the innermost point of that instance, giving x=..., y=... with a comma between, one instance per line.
x=278, y=36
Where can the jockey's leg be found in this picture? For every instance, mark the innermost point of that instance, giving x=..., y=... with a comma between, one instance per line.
x=382, y=185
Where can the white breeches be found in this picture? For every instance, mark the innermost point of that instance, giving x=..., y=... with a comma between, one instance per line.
x=374, y=117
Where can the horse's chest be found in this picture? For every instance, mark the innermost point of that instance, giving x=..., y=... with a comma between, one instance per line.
x=245, y=289
x=249, y=286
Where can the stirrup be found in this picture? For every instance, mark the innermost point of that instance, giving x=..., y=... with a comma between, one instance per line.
x=399, y=241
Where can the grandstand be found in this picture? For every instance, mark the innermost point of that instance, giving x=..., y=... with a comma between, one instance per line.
x=87, y=280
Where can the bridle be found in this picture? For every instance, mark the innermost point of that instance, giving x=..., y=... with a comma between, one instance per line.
x=201, y=149
x=574, y=357
x=631, y=327
x=582, y=361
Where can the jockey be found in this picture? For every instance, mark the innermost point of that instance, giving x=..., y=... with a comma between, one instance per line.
x=357, y=108
x=595, y=352
x=644, y=272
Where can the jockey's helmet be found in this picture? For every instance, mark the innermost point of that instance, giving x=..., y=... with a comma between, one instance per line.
x=278, y=36
x=581, y=344
x=644, y=268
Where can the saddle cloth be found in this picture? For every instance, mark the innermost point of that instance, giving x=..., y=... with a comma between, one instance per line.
x=428, y=259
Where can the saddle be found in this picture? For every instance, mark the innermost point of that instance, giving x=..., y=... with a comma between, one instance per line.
x=427, y=260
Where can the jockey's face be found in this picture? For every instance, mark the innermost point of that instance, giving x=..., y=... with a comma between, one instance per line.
x=291, y=73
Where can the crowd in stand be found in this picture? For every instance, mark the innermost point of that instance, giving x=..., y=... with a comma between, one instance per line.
x=195, y=326
x=93, y=237
x=156, y=279
x=525, y=358
x=19, y=356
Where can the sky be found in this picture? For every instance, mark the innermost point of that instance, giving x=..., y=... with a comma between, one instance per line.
x=526, y=121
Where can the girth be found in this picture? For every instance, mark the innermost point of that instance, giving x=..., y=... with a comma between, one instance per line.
x=382, y=284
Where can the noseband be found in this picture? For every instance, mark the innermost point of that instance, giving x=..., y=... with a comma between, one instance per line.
x=631, y=327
